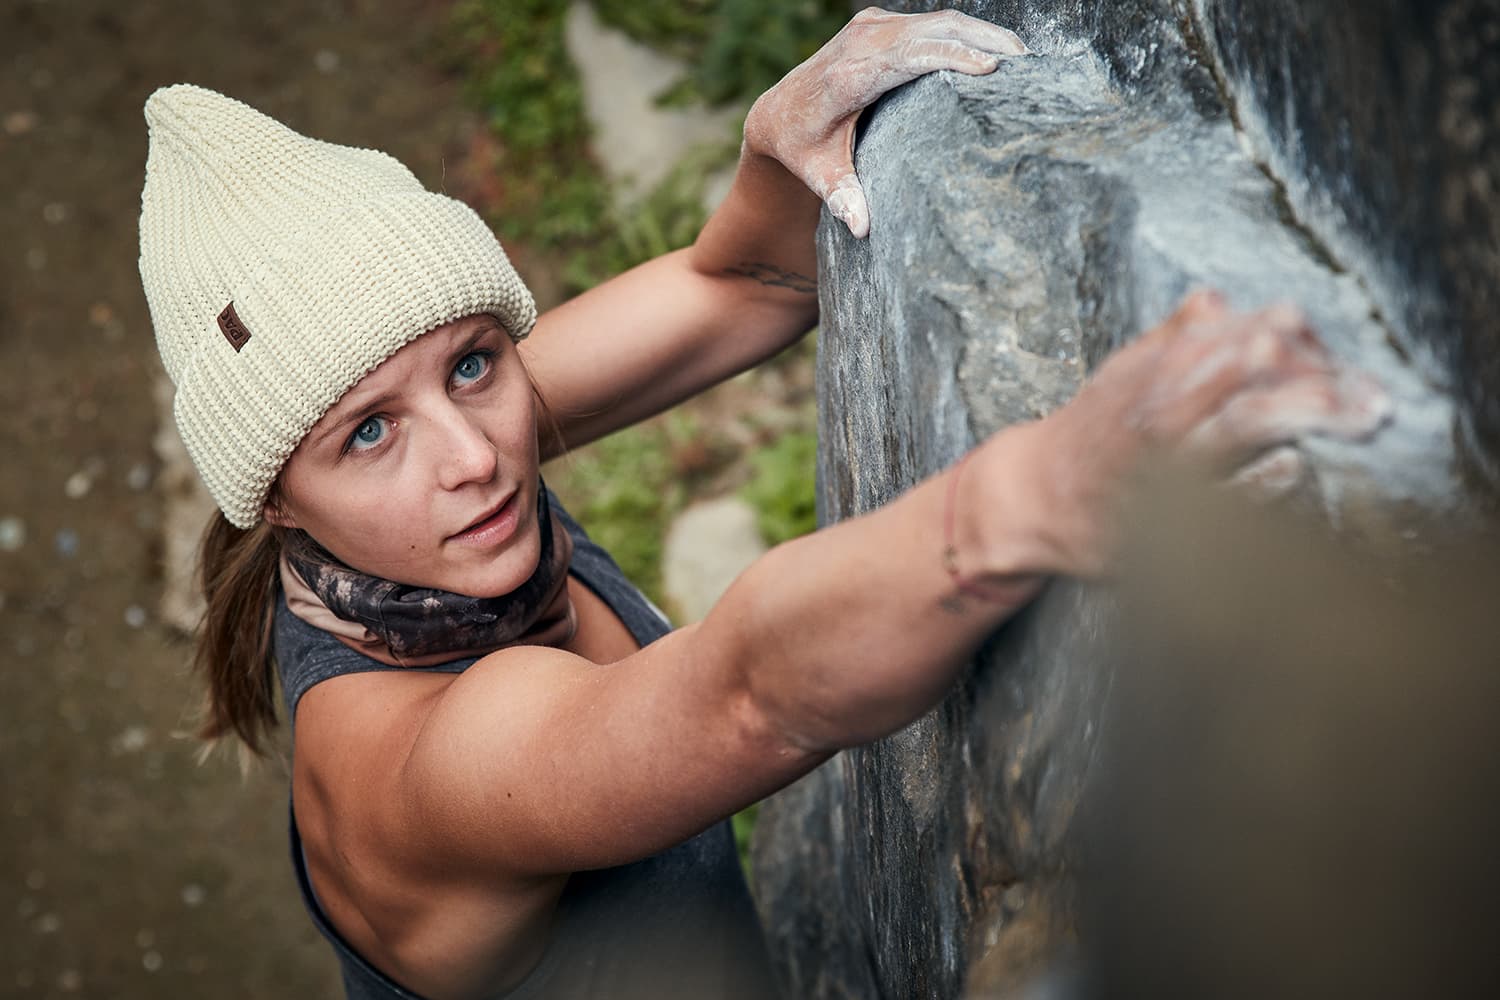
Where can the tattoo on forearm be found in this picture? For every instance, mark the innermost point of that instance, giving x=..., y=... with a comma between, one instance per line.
x=770, y=274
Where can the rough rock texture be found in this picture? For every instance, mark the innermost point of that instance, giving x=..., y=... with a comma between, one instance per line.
x=1026, y=223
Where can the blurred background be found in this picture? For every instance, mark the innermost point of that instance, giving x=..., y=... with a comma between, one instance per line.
x=592, y=135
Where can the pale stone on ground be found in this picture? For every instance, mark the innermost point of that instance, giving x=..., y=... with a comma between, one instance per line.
x=708, y=545
x=636, y=142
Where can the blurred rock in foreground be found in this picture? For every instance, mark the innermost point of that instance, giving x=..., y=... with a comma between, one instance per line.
x=1293, y=795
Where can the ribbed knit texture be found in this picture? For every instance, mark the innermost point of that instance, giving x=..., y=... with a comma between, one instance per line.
x=333, y=257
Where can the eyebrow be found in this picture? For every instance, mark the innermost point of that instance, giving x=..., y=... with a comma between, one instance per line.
x=359, y=415
x=475, y=334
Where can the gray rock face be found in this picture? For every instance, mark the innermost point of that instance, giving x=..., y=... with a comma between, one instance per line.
x=1025, y=224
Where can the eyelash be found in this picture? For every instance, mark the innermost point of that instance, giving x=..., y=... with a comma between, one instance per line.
x=487, y=356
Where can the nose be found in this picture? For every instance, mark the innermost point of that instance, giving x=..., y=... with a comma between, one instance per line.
x=465, y=453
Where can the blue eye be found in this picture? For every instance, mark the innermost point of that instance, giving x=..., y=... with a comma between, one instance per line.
x=368, y=434
x=471, y=366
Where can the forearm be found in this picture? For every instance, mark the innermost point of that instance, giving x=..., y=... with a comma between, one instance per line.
x=763, y=233
x=846, y=635
x=643, y=342
x=747, y=287
x=676, y=325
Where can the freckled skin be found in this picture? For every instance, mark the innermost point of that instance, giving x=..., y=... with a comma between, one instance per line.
x=449, y=452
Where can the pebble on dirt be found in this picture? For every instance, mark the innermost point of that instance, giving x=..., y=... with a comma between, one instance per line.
x=20, y=122
x=12, y=534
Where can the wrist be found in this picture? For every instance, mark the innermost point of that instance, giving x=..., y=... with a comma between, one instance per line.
x=1006, y=529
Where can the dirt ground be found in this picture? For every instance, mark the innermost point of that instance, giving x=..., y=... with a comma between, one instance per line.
x=126, y=869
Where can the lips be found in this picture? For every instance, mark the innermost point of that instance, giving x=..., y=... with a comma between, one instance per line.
x=496, y=525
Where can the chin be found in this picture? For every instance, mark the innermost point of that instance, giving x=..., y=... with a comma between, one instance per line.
x=504, y=574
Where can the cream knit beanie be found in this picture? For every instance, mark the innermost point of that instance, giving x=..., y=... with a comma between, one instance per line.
x=280, y=270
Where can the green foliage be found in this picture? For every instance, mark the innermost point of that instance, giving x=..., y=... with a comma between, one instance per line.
x=625, y=488
x=517, y=68
x=675, y=28
x=735, y=49
x=556, y=200
x=782, y=490
x=667, y=218
x=743, y=823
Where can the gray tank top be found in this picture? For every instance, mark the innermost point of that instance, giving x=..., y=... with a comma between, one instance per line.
x=677, y=924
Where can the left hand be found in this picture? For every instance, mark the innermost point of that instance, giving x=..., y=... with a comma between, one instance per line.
x=1234, y=391
x=807, y=120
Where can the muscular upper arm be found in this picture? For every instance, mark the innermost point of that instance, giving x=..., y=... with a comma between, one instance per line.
x=535, y=761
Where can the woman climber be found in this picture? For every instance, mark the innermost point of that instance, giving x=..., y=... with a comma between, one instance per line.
x=510, y=776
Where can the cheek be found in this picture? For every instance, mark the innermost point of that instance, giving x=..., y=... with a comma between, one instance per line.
x=513, y=417
x=367, y=523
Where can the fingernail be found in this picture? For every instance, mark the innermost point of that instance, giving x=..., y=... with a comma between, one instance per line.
x=859, y=226
x=848, y=206
x=850, y=220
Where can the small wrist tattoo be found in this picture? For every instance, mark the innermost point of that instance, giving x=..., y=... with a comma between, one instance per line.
x=777, y=277
x=963, y=584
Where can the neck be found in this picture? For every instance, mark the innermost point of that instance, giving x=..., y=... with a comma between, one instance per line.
x=406, y=626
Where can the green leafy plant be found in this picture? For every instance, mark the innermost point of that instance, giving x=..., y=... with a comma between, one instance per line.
x=734, y=49
x=555, y=199
x=625, y=490
x=667, y=218
x=781, y=490
x=517, y=68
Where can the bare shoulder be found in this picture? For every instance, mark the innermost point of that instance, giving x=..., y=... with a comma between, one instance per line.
x=442, y=814
x=382, y=873
x=404, y=843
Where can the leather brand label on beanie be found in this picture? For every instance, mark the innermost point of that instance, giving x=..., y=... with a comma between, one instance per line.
x=234, y=331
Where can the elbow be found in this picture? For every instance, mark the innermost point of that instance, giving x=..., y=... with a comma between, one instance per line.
x=773, y=684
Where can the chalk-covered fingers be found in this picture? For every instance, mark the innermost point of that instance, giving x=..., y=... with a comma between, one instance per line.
x=1232, y=386
x=917, y=56
x=807, y=120
x=902, y=47
x=1209, y=355
x=1273, y=475
x=1209, y=383
x=960, y=27
x=1254, y=438
x=1335, y=403
x=1203, y=305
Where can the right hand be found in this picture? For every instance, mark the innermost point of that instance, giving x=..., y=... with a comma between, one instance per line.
x=1235, y=390
x=807, y=120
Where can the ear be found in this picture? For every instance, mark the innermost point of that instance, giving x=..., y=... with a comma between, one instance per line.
x=275, y=513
